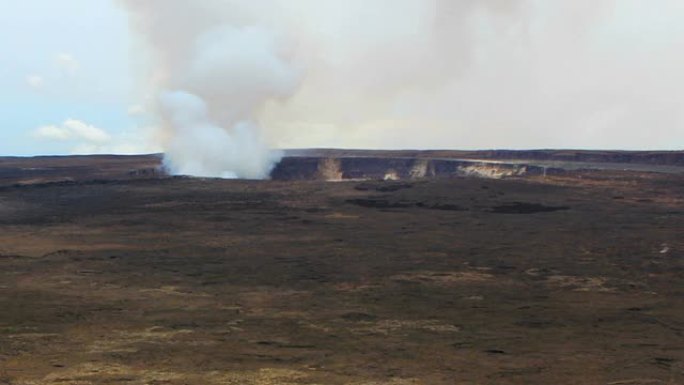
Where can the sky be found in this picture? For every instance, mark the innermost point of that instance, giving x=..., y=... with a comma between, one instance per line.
x=78, y=76
x=66, y=61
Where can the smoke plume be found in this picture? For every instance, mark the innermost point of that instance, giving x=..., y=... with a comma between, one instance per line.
x=233, y=78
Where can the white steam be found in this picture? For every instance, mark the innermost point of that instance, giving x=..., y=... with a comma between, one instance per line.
x=240, y=76
x=214, y=73
x=199, y=147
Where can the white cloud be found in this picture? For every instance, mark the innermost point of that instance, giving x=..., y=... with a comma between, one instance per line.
x=67, y=63
x=88, y=139
x=114, y=148
x=86, y=131
x=35, y=81
x=72, y=129
x=136, y=110
x=52, y=133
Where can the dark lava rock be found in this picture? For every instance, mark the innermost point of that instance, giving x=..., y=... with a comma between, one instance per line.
x=379, y=203
x=358, y=316
x=526, y=208
x=495, y=351
x=383, y=187
x=446, y=206
x=393, y=187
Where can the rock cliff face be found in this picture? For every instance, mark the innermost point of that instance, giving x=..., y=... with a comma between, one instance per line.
x=378, y=168
x=495, y=164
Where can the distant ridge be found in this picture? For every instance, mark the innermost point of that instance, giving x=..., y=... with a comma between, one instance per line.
x=664, y=158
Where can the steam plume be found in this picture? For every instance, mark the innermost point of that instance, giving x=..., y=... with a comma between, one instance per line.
x=240, y=76
x=218, y=64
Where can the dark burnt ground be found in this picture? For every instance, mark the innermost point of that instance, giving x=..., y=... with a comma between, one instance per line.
x=459, y=281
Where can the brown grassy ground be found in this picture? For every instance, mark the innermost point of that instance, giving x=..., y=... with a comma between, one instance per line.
x=458, y=281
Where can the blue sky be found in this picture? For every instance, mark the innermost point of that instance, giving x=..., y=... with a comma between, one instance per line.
x=66, y=59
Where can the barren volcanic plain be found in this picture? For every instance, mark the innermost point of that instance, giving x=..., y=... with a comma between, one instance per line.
x=541, y=268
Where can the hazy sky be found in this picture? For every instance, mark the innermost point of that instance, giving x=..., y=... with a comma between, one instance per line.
x=519, y=74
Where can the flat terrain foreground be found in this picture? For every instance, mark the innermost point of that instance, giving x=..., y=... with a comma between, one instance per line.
x=450, y=281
